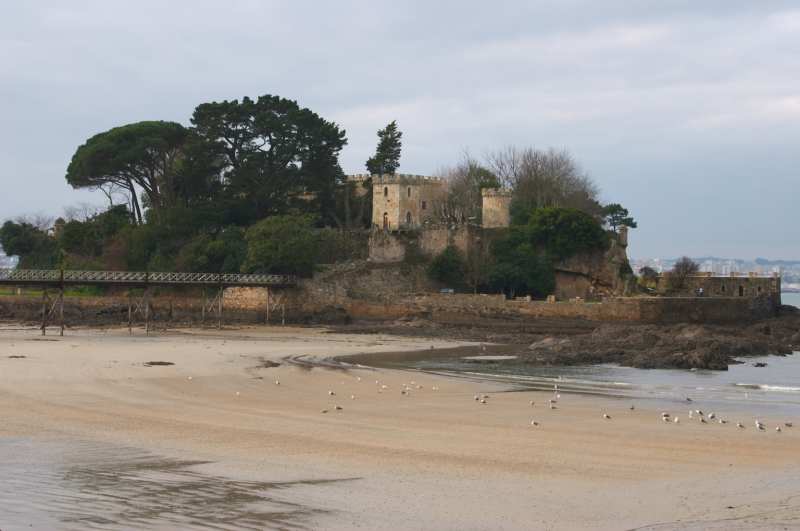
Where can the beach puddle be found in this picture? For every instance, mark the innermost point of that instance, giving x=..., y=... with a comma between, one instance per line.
x=54, y=485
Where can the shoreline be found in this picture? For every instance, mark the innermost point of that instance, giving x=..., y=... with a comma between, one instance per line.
x=430, y=457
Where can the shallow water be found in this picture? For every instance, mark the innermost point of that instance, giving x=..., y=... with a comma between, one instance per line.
x=80, y=485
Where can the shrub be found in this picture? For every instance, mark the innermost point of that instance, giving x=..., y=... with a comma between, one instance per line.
x=281, y=245
x=448, y=267
x=564, y=232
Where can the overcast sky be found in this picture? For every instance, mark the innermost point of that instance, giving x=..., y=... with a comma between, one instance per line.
x=686, y=112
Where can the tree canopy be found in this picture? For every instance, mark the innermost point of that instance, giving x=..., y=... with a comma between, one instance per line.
x=615, y=216
x=281, y=245
x=564, y=232
x=136, y=157
x=387, y=154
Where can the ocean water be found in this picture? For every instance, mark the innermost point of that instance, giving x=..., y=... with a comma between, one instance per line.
x=773, y=389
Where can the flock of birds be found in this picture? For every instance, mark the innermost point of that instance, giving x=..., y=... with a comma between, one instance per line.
x=406, y=389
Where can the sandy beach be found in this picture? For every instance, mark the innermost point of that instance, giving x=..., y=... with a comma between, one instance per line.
x=432, y=458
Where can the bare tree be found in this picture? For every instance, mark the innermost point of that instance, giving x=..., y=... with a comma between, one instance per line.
x=545, y=179
x=465, y=181
x=678, y=277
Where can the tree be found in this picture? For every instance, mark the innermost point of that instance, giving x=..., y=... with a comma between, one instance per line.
x=387, y=155
x=448, y=267
x=543, y=179
x=138, y=156
x=519, y=268
x=221, y=253
x=648, y=273
x=465, y=182
x=270, y=149
x=564, y=232
x=35, y=248
x=615, y=216
x=281, y=245
x=678, y=277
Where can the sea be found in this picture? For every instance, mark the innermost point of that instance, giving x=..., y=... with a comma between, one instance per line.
x=763, y=386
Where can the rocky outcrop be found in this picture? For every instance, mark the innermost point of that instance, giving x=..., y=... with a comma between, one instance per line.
x=596, y=274
x=682, y=346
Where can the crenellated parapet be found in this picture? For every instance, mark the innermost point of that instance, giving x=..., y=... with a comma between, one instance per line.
x=405, y=178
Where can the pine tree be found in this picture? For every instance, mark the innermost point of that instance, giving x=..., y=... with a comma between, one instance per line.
x=387, y=155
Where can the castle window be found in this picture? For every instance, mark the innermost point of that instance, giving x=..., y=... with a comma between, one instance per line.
x=408, y=217
x=723, y=288
x=759, y=289
x=424, y=205
x=408, y=191
x=385, y=220
x=385, y=191
x=741, y=291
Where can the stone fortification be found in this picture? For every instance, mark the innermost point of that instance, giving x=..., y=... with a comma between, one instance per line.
x=404, y=201
x=747, y=286
x=495, y=208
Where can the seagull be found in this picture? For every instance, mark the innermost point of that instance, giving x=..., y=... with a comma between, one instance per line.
x=477, y=398
x=675, y=420
x=552, y=406
x=277, y=382
x=189, y=378
x=358, y=378
x=534, y=423
x=632, y=407
x=483, y=400
x=778, y=429
x=352, y=397
x=787, y=424
x=324, y=411
x=723, y=421
x=688, y=399
x=664, y=414
x=339, y=408
x=691, y=414
x=711, y=416
x=703, y=420
x=740, y=425
x=532, y=403
x=759, y=425
x=606, y=416
x=435, y=388
x=331, y=393
x=698, y=412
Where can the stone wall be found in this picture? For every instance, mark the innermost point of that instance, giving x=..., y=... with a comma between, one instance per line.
x=396, y=199
x=745, y=286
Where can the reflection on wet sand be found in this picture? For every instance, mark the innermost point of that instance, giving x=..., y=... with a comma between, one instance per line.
x=89, y=486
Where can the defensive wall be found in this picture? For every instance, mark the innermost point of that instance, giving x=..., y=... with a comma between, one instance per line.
x=735, y=285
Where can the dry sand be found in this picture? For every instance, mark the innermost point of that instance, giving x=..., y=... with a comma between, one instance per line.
x=433, y=459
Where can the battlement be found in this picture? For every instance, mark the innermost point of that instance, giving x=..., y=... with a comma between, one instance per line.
x=406, y=178
x=495, y=192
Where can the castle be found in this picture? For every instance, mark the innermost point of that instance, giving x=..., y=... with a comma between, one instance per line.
x=404, y=201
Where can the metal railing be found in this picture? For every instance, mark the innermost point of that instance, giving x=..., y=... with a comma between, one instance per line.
x=58, y=276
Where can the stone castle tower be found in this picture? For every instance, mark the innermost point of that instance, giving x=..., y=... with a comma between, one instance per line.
x=404, y=201
x=495, y=208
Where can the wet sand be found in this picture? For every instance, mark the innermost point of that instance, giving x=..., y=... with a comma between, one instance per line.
x=426, y=459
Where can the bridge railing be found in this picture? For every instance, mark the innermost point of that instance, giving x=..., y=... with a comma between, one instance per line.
x=57, y=276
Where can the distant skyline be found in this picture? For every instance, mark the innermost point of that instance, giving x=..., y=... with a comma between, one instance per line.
x=687, y=113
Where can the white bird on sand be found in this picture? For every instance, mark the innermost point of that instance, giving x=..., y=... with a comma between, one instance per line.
x=759, y=425
x=331, y=393
x=688, y=399
x=339, y=408
x=277, y=382
x=632, y=407
x=477, y=398
x=435, y=388
x=533, y=403
x=352, y=397
x=740, y=425
x=698, y=412
x=483, y=400
x=691, y=414
x=787, y=424
x=552, y=406
x=534, y=423
x=324, y=411
x=778, y=429
x=664, y=414
x=703, y=420
x=675, y=420
x=723, y=421
x=712, y=416
x=358, y=378
x=606, y=416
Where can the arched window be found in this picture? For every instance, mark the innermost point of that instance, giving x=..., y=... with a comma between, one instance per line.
x=741, y=291
x=385, y=191
x=408, y=191
x=385, y=220
x=408, y=218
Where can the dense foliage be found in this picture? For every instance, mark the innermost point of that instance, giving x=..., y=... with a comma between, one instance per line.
x=281, y=245
x=616, y=216
x=520, y=268
x=564, y=232
x=448, y=267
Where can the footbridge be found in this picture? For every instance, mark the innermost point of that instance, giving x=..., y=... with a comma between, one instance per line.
x=52, y=282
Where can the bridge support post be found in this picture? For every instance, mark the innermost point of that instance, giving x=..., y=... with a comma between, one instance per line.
x=44, y=311
x=147, y=311
x=205, y=303
x=267, y=316
x=61, y=310
x=130, y=313
x=220, y=307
